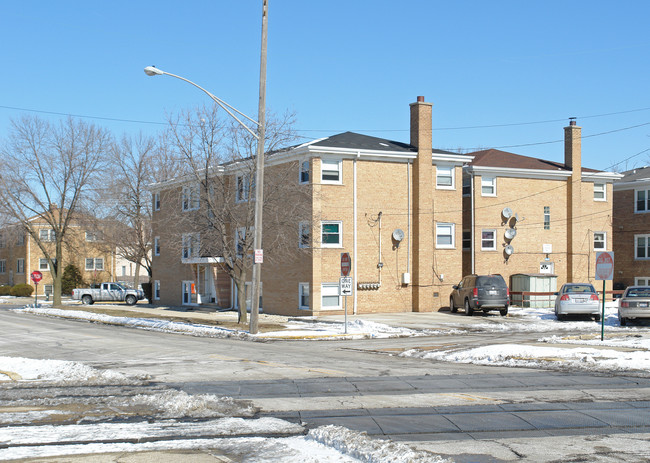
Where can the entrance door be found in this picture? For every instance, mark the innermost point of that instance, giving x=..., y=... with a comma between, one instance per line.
x=189, y=292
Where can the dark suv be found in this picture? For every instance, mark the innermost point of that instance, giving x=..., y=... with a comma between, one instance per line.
x=480, y=292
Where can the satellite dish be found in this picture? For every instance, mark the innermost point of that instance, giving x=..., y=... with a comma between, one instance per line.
x=398, y=235
x=510, y=233
x=517, y=218
x=506, y=212
x=509, y=250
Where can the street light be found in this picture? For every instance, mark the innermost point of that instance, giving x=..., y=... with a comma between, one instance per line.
x=259, y=175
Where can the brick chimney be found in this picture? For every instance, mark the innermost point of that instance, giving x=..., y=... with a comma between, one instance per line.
x=572, y=145
x=573, y=161
x=422, y=266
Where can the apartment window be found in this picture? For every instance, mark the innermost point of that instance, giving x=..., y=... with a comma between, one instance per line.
x=240, y=240
x=156, y=289
x=331, y=234
x=445, y=177
x=467, y=185
x=547, y=217
x=642, y=203
x=304, y=172
x=488, y=240
x=156, y=201
x=43, y=265
x=190, y=198
x=92, y=236
x=330, y=299
x=3, y=266
x=641, y=281
x=467, y=240
x=445, y=235
x=331, y=171
x=156, y=246
x=20, y=265
x=600, y=191
x=123, y=270
x=600, y=241
x=47, y=234
x=304, y=230
x=641, y=247
x=2, y=240
x=94, y=263
x=48, y=289
x=488, y=186
x=190, y=242
x=303, y=296
x=20, y=241
x=245, y=188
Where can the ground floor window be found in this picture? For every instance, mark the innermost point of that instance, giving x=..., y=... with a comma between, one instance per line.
x=488, y=240
x=94, y=263
x=3, y=266
x=600, y=241
x=330, y=299
x=303, y=296
x=20, y=266
x=642, y=281
x=156, y=289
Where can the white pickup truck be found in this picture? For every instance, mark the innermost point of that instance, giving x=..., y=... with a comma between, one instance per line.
x=108, y=292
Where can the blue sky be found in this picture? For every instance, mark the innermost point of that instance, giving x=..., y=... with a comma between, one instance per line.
x=347, y=65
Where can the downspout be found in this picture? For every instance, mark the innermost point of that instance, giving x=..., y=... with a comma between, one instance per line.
x=408, y=217
x=471, y=196
x=354, y=213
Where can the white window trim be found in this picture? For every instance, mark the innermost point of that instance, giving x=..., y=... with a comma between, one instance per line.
x=190, y=242
x=647, y=246
x=636, y=203
x=47, y=264
x=156, y=246
x=493, y=185
x=332, y=245
x=156, y=290
x=301, y=170
x=639, y=283
x=604, y=191
x=339, y=163
x=494, y=239
x=453, y=235
x=604, y=241
x=330, y=287
x=301, y=289
x=18, y=270
x=301, y=227
x=452, y=174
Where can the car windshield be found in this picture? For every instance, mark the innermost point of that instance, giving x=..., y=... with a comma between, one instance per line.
x=579, y=289
x=638, y=292
x=490, y=281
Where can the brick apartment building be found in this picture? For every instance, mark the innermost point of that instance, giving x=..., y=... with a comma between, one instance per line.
x=414, y=219
x=632, y=228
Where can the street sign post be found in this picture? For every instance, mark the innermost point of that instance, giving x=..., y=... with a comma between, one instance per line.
x=345, y=283
x=345, y=286
x=36, y=276
x=604, y=271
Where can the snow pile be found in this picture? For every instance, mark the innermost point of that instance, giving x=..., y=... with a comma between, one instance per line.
x=24, y=369
x=356, y=329
x=367, y=450
x=179, y=404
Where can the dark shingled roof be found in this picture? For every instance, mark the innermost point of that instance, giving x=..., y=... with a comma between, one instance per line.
x=351, y=140
x=640, y=173
x=497, y=158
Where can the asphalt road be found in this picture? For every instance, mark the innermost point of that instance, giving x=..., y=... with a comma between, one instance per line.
x=466, y=412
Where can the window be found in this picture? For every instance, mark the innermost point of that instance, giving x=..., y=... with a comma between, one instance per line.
x=303, y=296
x=123, y=270
x=20, y=241
x=488, y=186
x=304, y=172
x=43, y=265
x=547, y=217
x=304, y=230
x=92, y=236
x=190, y=198
x=445, y=235
x=48, y=289
x=156, y=246
x=2, y=240
x=3, y=266
x=445, y=177
x=600, y=191
x=47, y=234
x=600, y=241
x=156, y=201
x=641, y=247
x=642, y=203
x=331, y=234
x=190, y=243
x=331, y=171
x=20, y=265
x=330, y=299
x=467, y=185
x=156, y=289
x=93, y=263
x=641, y=281
x=467, y=240
x=488, y=240
x=240, y=240
x=245, y=188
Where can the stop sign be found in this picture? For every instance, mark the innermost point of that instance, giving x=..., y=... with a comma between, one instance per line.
x=604, y=265
x=36, y=276
x=346, y=264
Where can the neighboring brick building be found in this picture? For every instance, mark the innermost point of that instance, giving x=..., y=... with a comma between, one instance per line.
x=550, y=217
x=631, y=226
x=20, y=255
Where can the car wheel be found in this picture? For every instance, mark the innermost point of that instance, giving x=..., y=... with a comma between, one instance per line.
x=468, y=310
x=452, y=307
x=87, y=299
x=131, y=299
x=504, y=311
x=597, y=318
x=622, y=321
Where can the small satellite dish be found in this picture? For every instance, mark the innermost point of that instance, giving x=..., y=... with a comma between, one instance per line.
x=506, y=212
x=398, y=235
x=510, y=233
x=509, y=250
x=517, y=218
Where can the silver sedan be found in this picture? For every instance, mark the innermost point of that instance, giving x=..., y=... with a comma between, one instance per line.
x=577, y=298
x=635, y=303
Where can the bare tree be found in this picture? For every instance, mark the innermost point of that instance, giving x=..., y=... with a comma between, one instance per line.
x=219, y=158
x=47, y=176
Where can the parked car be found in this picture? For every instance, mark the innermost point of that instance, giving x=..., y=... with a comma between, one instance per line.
x=635, y=303
x=577, y=299
x=108, y=292
x=480, y=292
